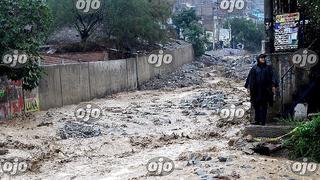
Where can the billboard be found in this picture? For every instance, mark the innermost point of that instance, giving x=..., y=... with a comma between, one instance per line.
x=286, y=30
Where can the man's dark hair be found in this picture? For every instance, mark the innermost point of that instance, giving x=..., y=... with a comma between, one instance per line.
x=262, y=56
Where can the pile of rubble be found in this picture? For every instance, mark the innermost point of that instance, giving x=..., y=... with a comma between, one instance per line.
x=235, y=67
x=210, y=100
x=228, y=52
x=187, y=75
x=206, y=61
x=78, y=130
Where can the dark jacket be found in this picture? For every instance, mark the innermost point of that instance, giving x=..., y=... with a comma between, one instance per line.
x=260, y=81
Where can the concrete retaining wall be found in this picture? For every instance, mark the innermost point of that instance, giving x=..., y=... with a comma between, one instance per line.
x=75, y=83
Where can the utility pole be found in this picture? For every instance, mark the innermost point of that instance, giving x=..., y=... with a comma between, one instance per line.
x=214, y=28
x=268, y=22
x=215, y=22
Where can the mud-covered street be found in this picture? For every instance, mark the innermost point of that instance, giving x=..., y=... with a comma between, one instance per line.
x=168, y=117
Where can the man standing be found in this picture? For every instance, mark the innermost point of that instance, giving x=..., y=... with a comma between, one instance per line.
x=262, y=84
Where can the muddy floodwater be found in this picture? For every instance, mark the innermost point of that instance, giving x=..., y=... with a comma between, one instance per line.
x=181, y=124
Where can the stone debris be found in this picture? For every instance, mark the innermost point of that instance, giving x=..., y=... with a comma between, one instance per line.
x=228, y=52
x=237, y=68
x=187, y=75
x=210, y=100
x=3, y=152
x=190, y=74
x=77, y=130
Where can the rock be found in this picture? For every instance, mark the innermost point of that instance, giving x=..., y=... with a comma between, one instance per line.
x=217, y=172
x=235, y=175
x=207, y=75
x=231, y=142
x=266, y=148
x=185, y=112
x=194, y=103
x=192, y=162
x=45, y=124
x=261, y=178
x=193, y=157
x=49, y=114
x=215, y=175
x=184, y=156
x=232, y=157
x=248, y=149
x=200, y=172
x=206, y=158
x=246, y=167
x=301, y=111
x=249, y=138
x=222, y=159
x=253, y=160
x=200, y=113
x=3, y=152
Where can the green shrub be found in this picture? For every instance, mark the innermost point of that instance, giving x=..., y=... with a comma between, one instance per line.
x=305, y=140
x=292, y=121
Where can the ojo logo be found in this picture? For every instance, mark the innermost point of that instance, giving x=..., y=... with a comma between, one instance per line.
x=232, y=112
x=231, y=5
x=14, y=59
x=13, y=167
x=305, y=58
x=160, y=166
x=304, y=168
x=157, y=59
x=88, y=6
x=86, y=112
